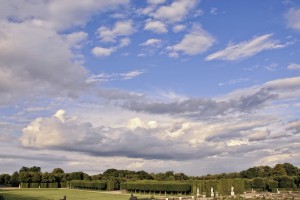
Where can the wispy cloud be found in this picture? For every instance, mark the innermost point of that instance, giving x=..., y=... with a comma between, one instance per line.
x=246, y=48
x=234, y=81
x=293, y=18
x=104, y=77
x=293, y=66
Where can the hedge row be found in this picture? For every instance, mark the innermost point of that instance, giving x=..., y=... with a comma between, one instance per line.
x=157, y=186
x=222, y=186
x=44, y=185
x=91, y=185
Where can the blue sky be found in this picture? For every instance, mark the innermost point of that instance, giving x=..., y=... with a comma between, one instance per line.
x=191, y=86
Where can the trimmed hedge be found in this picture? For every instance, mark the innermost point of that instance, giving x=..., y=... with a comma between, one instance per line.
x=44, y=185
x=53, y=185
x=34, y=185
x=157, y=186
x=92, y=185
x=222, y=186
x=24, y=185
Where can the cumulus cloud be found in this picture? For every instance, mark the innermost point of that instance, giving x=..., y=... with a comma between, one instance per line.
x=121, y=28
x=293, y=18
x=75, y=39
x=152, y=42
x=179, y=27
x=246, y=48
x=35, y=57
x=195, y=42
x=174, y=12
x=53, y=133
x=155, y=26
x=101, y=51
x=58, y=15
x=37, y=60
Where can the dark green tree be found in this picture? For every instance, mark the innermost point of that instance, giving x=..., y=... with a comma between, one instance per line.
x=278, y=170
x=290, y=169
x=14, y=179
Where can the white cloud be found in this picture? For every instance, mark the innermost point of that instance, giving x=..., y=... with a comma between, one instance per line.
x=293, y=66
x=178, y=28
x=156, y=1
x=131, y=74
x=234, y=81
x=124, y=42
x=155, y=26
x=75, y=39
x=152, y=42
x=176, y=11
x=100, y=51
x=104, y=77
x=121, y=28
x=214, y=11
x=293, y=18
x=103, y=52
x=31, y=60
x=56, y=14
x=246, y=48
x=193, y=43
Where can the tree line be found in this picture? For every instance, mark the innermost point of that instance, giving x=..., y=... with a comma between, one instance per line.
x=35, y=175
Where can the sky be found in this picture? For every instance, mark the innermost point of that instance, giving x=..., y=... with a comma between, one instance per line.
x=189, y=86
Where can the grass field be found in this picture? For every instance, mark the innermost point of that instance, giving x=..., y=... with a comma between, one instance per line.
x=56, y=194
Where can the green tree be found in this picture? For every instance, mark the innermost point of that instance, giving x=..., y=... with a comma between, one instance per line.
x=24, y=169
x=36, y=177
x=278, y=170
x=14, y=179
x=290, y=169
x=34, y=169
x=259, y=183
x=57, y=171
x=180, y=177
x=25, y=177
x=286, y=182
x=4, y=179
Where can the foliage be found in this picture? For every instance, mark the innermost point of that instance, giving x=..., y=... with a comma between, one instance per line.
x=157, y=186
x=95, y=185
x=259, y=183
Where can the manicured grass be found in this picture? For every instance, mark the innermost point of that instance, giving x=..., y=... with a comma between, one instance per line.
x=56, y=194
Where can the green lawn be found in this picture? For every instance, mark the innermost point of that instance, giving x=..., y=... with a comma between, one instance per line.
x=56, y=194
